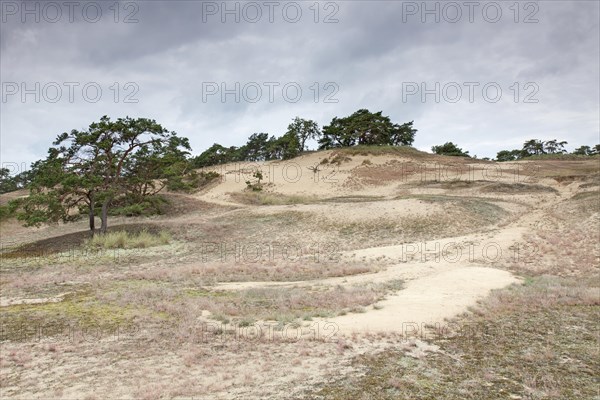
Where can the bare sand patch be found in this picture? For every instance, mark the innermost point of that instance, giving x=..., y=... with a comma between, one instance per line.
x=428, y=300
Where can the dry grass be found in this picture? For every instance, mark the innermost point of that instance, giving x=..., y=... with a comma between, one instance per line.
x=571, y=251
x=276, y=199
x=532, y=341
x=595, y=195
x=390, y=171
x=270, y=199
x=450, y=185
x=291, y=304
x=363, y=150
x=126, y=240
x=518, y=188
x=66, y=238
x=211, y=272
x=565, y=171
x=353, y=199
x=460, y=216
x=537, y=341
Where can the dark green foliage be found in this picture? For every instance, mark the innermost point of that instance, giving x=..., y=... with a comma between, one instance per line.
x=366, y=128
x=450, y=149
x=217, y=154
x=257, y=185
x=130, y=206
x=587, y=150
x=109, y=161
x=257, y=148
x=361, y=128
x=303, y=130
x=536, y=147
x=192, y=181
x=508, y=155
x=286, y=147
x=7, y=183
x=11, y=183
x=540, y=148
x=8, y=211
x=4, y=213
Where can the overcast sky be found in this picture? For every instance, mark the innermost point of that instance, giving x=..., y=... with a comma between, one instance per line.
x=171, y=61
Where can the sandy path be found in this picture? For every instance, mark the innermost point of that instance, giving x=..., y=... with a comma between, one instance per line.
x=407, y=261
x=427, y=300
x=436, y=289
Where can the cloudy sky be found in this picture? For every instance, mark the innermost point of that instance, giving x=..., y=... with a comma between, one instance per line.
x=485, y=75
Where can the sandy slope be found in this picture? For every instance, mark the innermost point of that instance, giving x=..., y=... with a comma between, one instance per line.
x=436, y=288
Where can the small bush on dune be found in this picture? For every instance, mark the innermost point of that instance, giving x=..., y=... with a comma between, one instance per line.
x=192, y=182
x=339, y=159
x=4, y=213
x=126, y=240
x=130, y=207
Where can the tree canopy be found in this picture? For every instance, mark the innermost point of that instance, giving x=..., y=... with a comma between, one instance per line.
x=90, y=168
x=536, y=147
x=303, y=129
x=262, y=147
x=587, y=150
x=450, y=149
x=366, y=128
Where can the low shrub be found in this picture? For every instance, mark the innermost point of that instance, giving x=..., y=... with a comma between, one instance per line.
x=191, y=182
x=129, y=207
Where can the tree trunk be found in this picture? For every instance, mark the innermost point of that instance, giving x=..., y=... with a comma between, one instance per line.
x=92, y=216
x=92, y=220
x=104, y=216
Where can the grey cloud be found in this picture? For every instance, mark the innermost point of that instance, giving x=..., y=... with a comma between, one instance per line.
x=369, y=54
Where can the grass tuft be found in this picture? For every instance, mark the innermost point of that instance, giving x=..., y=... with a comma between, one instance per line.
x=126, y=240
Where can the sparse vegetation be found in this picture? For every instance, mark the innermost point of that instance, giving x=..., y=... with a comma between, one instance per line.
x=126, y=240
x=517, y=188
x=332, y=257
x=129, y=206
x=270, y=199
x=192, y=181
x=290, y=304
x=339, y=159
x=255, y=186
x=371, y=150
x=537, y=341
